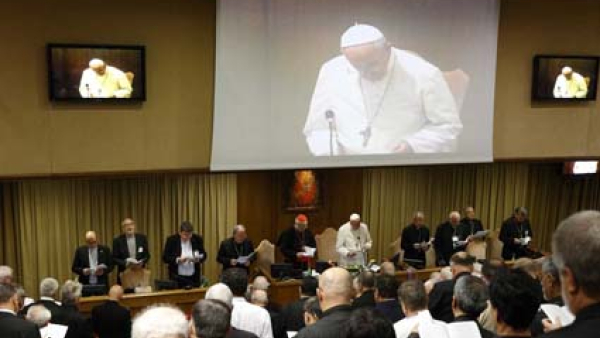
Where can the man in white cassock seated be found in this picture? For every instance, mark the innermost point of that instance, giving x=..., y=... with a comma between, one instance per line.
x=376, y=99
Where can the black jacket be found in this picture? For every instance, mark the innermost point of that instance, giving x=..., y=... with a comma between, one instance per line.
x=586, y=325
x=468, y=227
x=79, y=326
x=81, y=261
x=331, y=324
x=484, y=333
x=235, y=333
x=172, y=251
x=12, y=326
x=293, y=315
x=440, y=299
x=410, y=236
x=111, y=320
x=367, y=299
x=510, y=230
x=229, y=250
x=291, y=242
x=51, y=305
x=444, y=245
x=120, y=251
x=390, y=309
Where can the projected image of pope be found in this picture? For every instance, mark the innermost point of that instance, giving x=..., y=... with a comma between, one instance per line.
x=103, y=81
x=570, y=84
x=376, y=99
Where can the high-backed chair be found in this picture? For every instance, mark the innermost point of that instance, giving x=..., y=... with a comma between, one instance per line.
x=135, y=279
x=477, y=249
x=326, y=245
x=265, y=257
x=458, y=82
x=394, y=249
x=430, y=258
x=494, y=245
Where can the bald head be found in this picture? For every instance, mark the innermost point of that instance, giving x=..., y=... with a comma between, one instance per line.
x=91, y=239
x=335, y=288
x=115, y=293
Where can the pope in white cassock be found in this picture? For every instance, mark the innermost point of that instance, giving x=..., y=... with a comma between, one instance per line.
x=103, y=81
x=353, y=242
x=381, y=100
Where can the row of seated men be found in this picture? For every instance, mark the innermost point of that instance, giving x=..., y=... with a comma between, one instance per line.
x=493, y=302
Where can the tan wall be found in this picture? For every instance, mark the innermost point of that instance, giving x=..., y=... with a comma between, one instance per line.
x=169, y=131
x=526, y=130
x=172, y=130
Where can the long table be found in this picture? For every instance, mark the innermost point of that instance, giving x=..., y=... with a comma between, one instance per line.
x=281, y=293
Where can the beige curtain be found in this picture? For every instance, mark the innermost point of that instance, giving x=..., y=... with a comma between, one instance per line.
x=50, y=217
x=392, y=195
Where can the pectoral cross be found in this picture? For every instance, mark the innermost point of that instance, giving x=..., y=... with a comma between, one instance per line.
x=366, y=134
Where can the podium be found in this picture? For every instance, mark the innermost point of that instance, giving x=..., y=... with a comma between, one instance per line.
x=477, y=249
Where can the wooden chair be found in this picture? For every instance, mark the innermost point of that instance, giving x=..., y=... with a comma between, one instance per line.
x=326, y=245
x=430, y=258
x=458, y=82
x=135, y=278
x=265, y=257
x=494, y=246
x=477, y=249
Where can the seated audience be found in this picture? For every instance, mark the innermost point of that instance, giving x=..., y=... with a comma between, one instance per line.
x=48, y=292
x=552, y=294
x=368, y=323
x=40, y=316
x=365, y=293
x=210, y=319
x=514, y=298
x=244, y=315
x=78, y=325
x=261, y=298
x=222, y=293
x=312, y=311
x=111, y=320
x=440, y=298
x=413, y=300
x=6, y=274
x=489, y=269
x=471, y=295
x=576, y=253
x=11, y=326
x=293, y=314
x=386, y=297
x=335, y=298
x=160, y=321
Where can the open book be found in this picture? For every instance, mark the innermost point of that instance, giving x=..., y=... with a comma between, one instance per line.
x=429, y=328
x=562, y=313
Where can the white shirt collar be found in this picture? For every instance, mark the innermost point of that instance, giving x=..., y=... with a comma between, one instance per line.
x=8, y=311
x=239, y=300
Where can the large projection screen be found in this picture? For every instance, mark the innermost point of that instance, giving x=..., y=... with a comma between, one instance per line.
x=336, y=83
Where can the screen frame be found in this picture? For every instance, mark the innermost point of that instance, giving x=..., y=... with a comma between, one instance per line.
x=140, y=48
x=536, y=77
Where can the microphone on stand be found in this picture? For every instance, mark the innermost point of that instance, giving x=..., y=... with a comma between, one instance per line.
x=330, y=118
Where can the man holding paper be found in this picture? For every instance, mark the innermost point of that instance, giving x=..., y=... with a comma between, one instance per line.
x=470, y=226
x=415, y=241
x=184, y=252
x=92, y=262
x=516, y=235
x=447, y=241
x=353, y=242
x=130, y=250
x=297, y=242
x=236, y=251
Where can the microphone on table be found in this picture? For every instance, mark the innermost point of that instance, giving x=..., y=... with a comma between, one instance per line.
x=330, y=118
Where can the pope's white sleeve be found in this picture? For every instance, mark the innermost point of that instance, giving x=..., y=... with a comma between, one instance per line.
x=443, y=124
x=316, y=128
x=339, y=243
x=84, y=84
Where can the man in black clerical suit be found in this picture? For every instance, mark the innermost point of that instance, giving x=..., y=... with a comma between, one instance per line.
x=576, y=253
x=110, y=319
x=130, y=249
x=293, y=241
x=12, y=326
x=440, y=297
x=183, y=253
x=469, y=225
x=48, y=291
x=446, y=241
x=238, y=245
x=92, y=262
x=516, y=235
x=415, y=234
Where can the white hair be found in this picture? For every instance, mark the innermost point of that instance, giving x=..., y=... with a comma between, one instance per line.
x=220, y=292
x=454, y=214
x=70, y=291
x=355, y=217
x=48, y=287
x=39, y=315
x=260, y=283
x=419, y=214
x=5, y=272
x=160, y=321
x=259, y=297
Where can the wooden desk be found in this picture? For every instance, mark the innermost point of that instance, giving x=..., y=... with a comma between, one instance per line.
x=184, y=299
